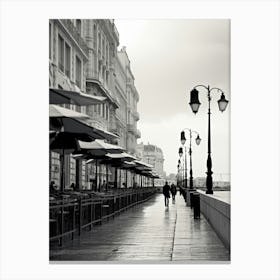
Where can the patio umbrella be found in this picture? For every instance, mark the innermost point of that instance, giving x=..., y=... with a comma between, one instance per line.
x=97, y=150
x=99, y=147
x=56, y=111
x=66, y=130
x=62, y=117
x=141, y=165
x=117, y=161
x=68, y=121
x=64, y=142
x=60, y=96
x=121, y=157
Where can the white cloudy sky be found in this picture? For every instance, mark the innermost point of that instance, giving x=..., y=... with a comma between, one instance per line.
x=168, y=58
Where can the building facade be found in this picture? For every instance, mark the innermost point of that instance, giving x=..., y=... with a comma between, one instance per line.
x=153, y=155
x=68, y=57
x=128, y=98
x=84, y=57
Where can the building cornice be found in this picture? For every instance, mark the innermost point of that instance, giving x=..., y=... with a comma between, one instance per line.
x=113, y=33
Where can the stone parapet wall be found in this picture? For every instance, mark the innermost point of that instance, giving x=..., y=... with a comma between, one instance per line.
x=217, y=212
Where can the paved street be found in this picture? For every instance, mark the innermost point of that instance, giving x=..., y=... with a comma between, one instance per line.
x=148, y=232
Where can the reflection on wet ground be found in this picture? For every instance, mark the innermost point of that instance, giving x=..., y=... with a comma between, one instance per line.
x=148, y=232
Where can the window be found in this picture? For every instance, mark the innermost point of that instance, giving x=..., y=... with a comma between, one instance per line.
x=107, y=113
x=94, y=36
x=78, y=72
x=107, y=54
x=103, y=48
x=99, y=42
x=107, y=75
x=79, y=26
x=103, y=110
x=67, y=60
x=64, y=56
x=60, y=53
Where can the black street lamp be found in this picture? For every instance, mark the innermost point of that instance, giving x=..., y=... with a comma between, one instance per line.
x=178, y=172
x=185, y=175
x=183, y=141
x=194, y=103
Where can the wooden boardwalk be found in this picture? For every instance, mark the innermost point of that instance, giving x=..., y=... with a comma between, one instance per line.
x=149, y=232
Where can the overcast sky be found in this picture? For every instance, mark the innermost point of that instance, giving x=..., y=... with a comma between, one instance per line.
x=168, y=58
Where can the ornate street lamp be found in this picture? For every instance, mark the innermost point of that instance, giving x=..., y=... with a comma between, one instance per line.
x=180, y=152
x=178, y=173
x=184, y=166
x=183, y=141
x=197, y=140
x=194, y=103
x=185, y=176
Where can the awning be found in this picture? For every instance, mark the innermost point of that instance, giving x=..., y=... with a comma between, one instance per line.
x=121, y=156
x=60, y=112
x=105, y=134
x=99, y=147
x=127, y=165
x=141, y=165
x=58, y=115
x=60, y=96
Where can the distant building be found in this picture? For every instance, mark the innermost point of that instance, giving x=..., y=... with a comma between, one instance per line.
x=199, y=182
x=153, y=155
x=221, y=184
x=172, y=178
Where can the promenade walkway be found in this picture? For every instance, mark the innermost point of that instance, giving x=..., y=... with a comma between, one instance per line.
x=149, y=232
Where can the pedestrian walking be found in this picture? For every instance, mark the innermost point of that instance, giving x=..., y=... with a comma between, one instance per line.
x=173, y=192
x=166, y=193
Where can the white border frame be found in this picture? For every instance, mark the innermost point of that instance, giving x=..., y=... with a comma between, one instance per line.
x=254, y=130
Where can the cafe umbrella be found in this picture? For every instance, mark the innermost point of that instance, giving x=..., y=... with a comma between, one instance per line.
x=117, y=160
x=61, y=96
x=96, y=150
x=66, y=128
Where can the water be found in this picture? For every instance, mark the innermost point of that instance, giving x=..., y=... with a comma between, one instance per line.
x=223, y=195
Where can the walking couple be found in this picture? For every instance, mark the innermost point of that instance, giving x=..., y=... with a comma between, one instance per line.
x=166, y=192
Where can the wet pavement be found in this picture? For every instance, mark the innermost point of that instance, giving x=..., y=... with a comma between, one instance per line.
x=149, y=232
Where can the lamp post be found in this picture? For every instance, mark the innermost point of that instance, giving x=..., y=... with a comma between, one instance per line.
x=185, y=180
x=178, y=173
x=194, y=103
x=183, y=141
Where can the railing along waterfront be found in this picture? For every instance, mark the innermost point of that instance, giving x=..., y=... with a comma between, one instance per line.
x=72, y=212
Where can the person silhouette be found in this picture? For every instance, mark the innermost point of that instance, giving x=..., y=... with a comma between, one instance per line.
x=173, y=191
x=166, y=193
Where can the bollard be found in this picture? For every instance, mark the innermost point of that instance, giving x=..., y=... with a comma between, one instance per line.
x=191, y=199
x=196, y=205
